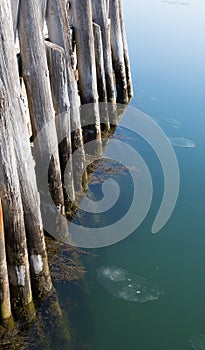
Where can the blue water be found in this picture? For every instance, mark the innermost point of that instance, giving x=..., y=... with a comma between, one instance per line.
x=147, y=292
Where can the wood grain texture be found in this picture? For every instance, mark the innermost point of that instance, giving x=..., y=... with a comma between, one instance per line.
x=83, y=26
x=101, y=81
x=59, y=88
x=126, y=53
x=36, y=76
x=16, y=244
x=100, y=17
x=29, y=195
x=118, y=52
x=60, y=34
x=5, y=305
x=15, y=14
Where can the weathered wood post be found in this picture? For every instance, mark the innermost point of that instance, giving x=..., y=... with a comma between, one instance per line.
x=82, y=21
x=126, y=54
x=16, y=244
x=41, y=281
x=100, y=11
x=81, y=13
x=5, y=305
x=59, y=88
x=15, y=13
x=107, y=3
x=59, y=34
x=36, y=76
x=24, y=270
x=100, y=17
x=101, y=81
x=118, y=52
x=43, y=8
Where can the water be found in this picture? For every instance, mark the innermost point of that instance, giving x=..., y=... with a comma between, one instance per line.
x=179, y=141
x=126, y=286
x=147, y=292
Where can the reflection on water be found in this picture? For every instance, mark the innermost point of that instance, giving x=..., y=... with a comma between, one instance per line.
x=127, y=286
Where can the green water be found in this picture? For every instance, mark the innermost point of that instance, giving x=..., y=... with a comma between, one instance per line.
x=167, y=52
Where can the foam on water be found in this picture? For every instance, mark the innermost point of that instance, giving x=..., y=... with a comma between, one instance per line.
x=173, y=123
x=181, y=3
x=127, y=286
x=198, y=342
x=182, y=142
x=116, y=275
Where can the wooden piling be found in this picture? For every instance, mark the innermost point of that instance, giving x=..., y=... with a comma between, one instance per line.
x=101, y=81
x=15, y=14
x=16, y=244
x=43, y=8
x=59, y=34
x=36, y=76
x=5, y=305
x=82, y=21
x=107, y=4
x=100, y=17
x=118, y=52
x=52, y=73
x=126, y=54
x=59, y=88
x=41, y=281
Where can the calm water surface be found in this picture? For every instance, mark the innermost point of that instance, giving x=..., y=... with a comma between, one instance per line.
x=148, y=291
